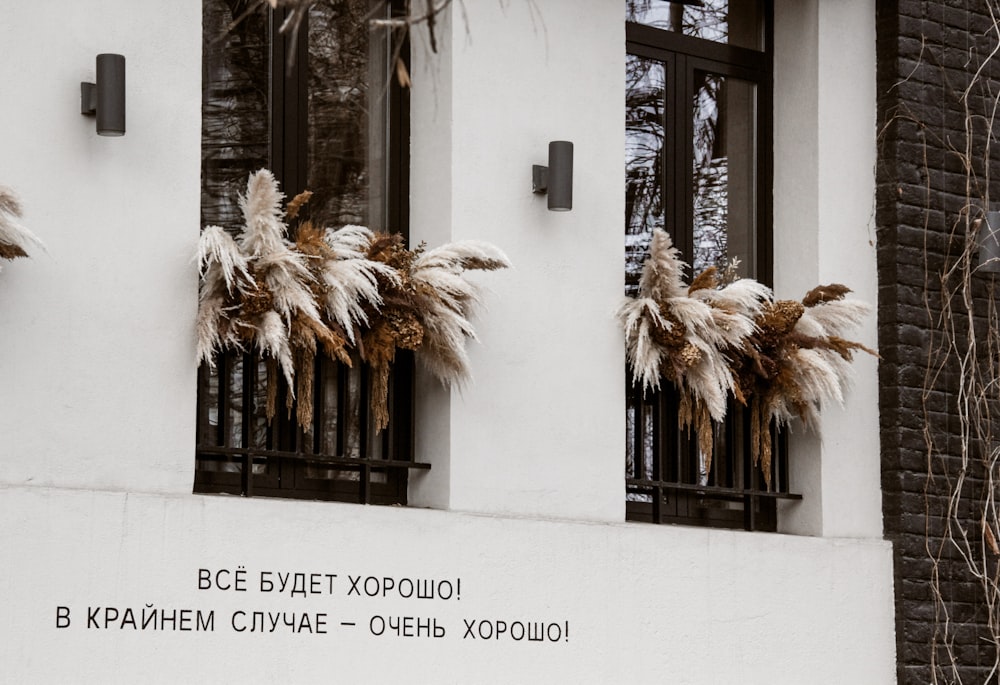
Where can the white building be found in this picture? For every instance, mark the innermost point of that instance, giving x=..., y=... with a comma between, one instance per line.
x=520, y=523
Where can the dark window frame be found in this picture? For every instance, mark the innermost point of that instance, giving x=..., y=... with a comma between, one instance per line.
x=682, y=56
x=285, y=462
x=734, y=494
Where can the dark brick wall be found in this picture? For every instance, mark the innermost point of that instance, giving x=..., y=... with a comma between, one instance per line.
x=928, y=53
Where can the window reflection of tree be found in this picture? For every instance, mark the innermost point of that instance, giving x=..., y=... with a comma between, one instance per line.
x=339, y=112
x=235, y=105
x=644, y=130
x=709, y=20
x=711, y=175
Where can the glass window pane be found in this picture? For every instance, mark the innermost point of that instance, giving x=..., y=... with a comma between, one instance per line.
x=739, y=23
x=724, y=178
x=645, y=119
x=348, y=84
x=235, y=128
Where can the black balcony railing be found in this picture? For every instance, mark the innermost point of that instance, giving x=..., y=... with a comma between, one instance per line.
x=666, y=479
x=338, y=457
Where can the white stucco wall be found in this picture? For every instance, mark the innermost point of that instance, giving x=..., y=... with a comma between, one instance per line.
x=643, y=604
x=98, y=391
x=540, y=431
x=824, y=193
x=96, y=349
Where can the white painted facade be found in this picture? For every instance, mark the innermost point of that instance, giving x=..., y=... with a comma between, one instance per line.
x=524, y=503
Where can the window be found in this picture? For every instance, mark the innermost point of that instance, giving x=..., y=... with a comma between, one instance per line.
x=697, y=150
x=323, y=112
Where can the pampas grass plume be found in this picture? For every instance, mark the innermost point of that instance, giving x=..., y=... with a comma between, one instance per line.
x=216, y=248
x=15, y=238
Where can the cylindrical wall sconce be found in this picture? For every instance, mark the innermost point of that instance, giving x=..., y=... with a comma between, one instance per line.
x=106, y=98
x=556, y=179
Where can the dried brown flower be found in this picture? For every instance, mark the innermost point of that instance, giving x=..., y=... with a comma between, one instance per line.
x=709, y=278
x=297, y=203
x=9, y=251
x=825, y=293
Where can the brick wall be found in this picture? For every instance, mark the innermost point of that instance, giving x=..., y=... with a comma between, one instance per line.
x=928, y=53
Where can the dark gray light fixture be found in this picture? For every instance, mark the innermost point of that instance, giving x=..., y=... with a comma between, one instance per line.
x=556, y=179
x=989, y=243
x=106, y=98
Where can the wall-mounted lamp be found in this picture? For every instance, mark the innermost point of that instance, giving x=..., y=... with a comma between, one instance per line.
x=556, y=179
x=106, y=98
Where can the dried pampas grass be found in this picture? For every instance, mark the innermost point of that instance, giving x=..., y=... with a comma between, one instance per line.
x=722, y=337
x=256, y=290
x=684, y=333
x=15, y=238
x=444, y=302
x=350, y=292
x=800, y=360
x=349, y=281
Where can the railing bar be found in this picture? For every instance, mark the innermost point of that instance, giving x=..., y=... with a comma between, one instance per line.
x=221, y=392
x=364, y=412
x=779, y=463
x=343, y=402
x=673, y=432
x=638, y=468
x=649, y=455
x=351, y=461
x=385, y=438
x=318, y=414
x=245, y=423
x=637, y=453
x=669, y=450
x=660, y=435
x=735, y=454
x=710, y=491
x=365, y=483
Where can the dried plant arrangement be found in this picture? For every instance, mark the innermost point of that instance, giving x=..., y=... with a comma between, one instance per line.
x=342, y=291
x=722, y=336
x=686, y=334
x=15, y=239
x=797, y=361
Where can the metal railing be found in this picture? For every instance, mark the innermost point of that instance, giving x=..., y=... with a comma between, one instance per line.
x=669, y=480
x=339, y=456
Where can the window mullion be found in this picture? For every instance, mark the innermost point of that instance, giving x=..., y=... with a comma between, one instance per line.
x=289, y=105
x=765, y=179
x=672, y=192
x=678, y=181
x=685, y=155
x=276, y=87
